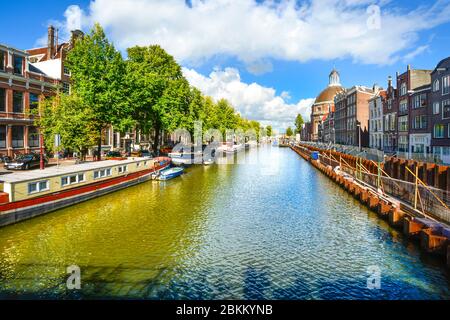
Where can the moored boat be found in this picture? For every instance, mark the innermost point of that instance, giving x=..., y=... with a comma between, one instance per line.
x=28, y=194
x=168, y=174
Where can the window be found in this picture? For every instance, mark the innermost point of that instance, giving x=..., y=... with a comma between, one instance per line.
x=2, y=60
x=18, y=102
x=66, y=71
x=420, y=122
x=73, y=179
x=438, y=130
x=2, y=100
x=436, y=108
x=389, y=104
x=2, y=136
x=446, y=85
x=403, y=143
x=446, y=109
x=17, y=136
x=403, y=89
x=403, y=123
x=122, y=169
x=66, y=87
x=34, y=187
x=436, y=85
x=403, y=106
x=33, y=137
x=102, y=173
x=34, y=101
x=420, y=101
x=18, y=64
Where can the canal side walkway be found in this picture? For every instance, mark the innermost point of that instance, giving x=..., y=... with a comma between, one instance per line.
x=433, y=236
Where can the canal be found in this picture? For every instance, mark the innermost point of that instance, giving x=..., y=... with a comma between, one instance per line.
x=273, y=228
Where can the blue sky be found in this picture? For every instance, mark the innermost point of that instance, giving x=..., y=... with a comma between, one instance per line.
x=233, y=38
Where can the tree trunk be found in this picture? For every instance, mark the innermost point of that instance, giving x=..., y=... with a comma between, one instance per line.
x=99, y=147
x=156, y=139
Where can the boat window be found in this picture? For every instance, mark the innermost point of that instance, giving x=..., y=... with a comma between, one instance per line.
x=122, y=169
x=77, y=178
x=102, y=173
x=39, y=186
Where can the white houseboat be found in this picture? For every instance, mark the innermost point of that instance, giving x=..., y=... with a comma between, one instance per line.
x=27, y=194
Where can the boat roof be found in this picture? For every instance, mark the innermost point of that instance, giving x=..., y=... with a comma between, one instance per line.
x=20, y=176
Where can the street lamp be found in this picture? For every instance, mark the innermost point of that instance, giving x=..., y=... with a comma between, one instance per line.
x=358, y=125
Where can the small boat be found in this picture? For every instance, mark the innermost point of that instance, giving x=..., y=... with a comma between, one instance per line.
x=208, y=162
x=168, y=174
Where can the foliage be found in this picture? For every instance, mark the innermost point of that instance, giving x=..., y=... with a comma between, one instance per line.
x=289, y=132
x=299, y=123
x=71, y=119
x=97, y=74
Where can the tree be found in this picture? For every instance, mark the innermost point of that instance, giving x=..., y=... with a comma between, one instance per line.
x=97, y=74
x=269, y=131
x=289, y=132
x=71, y=119
x=299, y=123
x=161, y=97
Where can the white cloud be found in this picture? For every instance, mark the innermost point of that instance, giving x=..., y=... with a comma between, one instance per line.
x=256, y=32
x=252, y=101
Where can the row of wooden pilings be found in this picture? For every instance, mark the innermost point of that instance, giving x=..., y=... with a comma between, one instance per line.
x=388, y=210
x=434, y=175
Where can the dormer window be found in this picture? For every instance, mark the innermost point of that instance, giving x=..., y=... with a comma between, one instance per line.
x=18, y=65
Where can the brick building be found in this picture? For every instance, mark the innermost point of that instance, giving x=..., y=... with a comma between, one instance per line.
x=440, y=110
x=419, y=128
x=340, y=116
x=407, y=84
x=376, y=120
x=390, y=113
x=324, y=104
x=22, y=86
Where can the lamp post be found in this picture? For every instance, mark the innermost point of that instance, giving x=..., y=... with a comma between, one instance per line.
x=41, y=151
x=358, y=125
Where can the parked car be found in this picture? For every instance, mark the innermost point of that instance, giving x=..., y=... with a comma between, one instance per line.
x=5, y=159
x=146, y=154
x=113, y=154
x=26, y=162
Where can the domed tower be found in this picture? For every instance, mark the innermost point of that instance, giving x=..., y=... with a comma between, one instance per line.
x=324, y=103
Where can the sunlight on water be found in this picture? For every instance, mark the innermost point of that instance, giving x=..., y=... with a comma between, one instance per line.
x=272, y=229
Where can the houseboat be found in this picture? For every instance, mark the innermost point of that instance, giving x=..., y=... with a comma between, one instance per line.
x=27, y=194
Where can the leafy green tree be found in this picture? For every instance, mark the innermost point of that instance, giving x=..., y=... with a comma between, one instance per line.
x=299, y=123
x=269, y=131
x=97, y=74
x=157, y=90
x=289, y=132
x=69, y=117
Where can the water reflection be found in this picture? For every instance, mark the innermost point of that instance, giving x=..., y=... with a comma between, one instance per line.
x=272, y=228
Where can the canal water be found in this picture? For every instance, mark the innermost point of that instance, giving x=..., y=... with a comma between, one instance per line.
x=272, y=228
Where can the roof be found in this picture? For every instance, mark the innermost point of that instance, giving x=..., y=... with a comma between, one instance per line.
x=44, y=52
x=328, y=94
x=21, y=176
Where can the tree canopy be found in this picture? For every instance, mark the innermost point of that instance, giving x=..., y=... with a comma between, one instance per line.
x=299, y=123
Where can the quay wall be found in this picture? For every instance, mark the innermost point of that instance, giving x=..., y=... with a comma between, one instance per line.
x=387, y=209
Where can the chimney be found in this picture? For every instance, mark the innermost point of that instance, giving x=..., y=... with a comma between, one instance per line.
x=389, y=81
x=75, y=34
x=409, y=67
x=51, y=42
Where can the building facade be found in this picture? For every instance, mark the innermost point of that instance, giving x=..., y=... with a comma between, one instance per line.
x=390, y=113
x=324, y=104
x=22, y=86
x=440, y=110
x=419, y=128
x=376, y=120
x=407, y=83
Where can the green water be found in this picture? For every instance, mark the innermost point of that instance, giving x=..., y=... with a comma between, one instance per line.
x=274, y=228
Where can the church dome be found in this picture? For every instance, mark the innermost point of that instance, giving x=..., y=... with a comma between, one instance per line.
x=334, y=87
